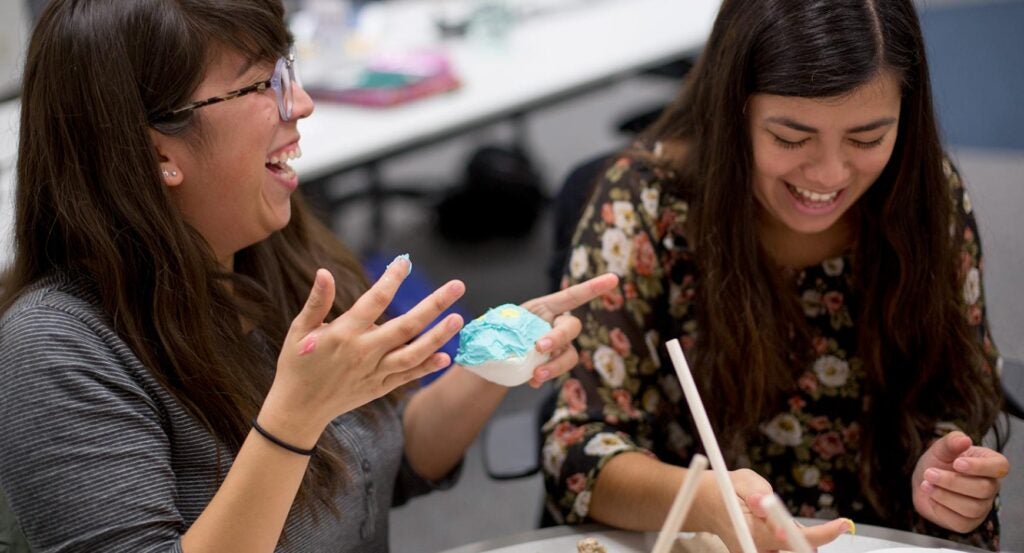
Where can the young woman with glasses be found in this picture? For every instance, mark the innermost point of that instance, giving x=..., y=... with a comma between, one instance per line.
x=793, y=221
x=188, y=360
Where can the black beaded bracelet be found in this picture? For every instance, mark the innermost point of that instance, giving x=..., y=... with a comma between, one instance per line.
x=279, y=442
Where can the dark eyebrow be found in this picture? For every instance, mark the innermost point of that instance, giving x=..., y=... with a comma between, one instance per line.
x=884, y=122
x=787, y=122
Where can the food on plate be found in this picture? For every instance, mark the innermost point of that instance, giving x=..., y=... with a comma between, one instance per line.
x=590, y=545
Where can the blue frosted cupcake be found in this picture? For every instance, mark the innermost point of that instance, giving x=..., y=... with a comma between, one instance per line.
x=500, y=345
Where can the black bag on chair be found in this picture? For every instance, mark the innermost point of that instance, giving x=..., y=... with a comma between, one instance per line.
x=500, y=196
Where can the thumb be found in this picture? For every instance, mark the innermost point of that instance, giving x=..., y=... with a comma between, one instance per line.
x=318, y=304
x=826, y=533
x=950, y=446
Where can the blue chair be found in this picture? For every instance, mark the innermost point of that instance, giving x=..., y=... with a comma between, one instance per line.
x=415, y=288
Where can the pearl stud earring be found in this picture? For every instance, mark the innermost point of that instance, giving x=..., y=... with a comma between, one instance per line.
x=170, y=174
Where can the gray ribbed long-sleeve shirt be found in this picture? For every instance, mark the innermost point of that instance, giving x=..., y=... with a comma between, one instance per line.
x=95, y=455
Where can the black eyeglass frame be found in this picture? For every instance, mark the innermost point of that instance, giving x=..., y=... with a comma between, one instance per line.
x=284, y=69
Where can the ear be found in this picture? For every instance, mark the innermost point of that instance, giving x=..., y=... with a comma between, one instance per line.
x=168, y=152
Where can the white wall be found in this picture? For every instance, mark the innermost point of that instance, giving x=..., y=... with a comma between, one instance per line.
x=14, y=27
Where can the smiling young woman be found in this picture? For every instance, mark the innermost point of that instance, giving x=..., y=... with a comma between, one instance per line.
x=188, y=360
x=793, y=220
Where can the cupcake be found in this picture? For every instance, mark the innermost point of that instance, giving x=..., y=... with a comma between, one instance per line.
x=499, y=346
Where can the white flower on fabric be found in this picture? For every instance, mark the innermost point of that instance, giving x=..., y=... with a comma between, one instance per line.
x=784, y=429
x=578, y=263
x=811, y=301
x=604, y=443
x=582, y=505
x=807, y=476
x=554, y=456
x=625, y=216
x=833, y=267
x=831, y=370
x=610, y=366
x=972, y=286
x=968, y=206
x=560, y=414
x=616, y=250
x=649, y=198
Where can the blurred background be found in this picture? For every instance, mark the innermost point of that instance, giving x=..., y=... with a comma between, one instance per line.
x=470, y=195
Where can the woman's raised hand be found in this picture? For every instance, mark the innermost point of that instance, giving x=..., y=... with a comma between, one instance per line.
x=327, y=369
x=554, y=308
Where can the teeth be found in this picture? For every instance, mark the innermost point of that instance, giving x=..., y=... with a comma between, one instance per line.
x=814, y=196
x=285, y=157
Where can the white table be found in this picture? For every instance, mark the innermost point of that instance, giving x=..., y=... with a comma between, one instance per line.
x=545, y=59
x=562, y=539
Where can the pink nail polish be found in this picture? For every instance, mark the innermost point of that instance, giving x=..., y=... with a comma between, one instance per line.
x=308, y=346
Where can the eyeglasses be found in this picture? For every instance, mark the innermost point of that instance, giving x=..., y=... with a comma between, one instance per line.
x=281, y=81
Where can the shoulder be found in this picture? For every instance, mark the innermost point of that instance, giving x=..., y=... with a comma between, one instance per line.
x=963, y=209
x=57, y=333
x=642, y=186
x=55, y=305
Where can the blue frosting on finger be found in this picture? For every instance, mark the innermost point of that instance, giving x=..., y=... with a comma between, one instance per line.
x=502, y=332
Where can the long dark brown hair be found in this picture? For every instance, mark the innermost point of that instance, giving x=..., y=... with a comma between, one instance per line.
x=90, y=201
x=920, y=357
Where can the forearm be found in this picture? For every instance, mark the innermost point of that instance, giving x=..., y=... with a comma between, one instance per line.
x=635, y=492
x=249, y=510
x=443, y=419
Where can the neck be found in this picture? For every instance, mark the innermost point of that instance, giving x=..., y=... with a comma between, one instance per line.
x=798, y=250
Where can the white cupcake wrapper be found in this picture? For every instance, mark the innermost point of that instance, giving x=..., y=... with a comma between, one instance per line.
x=512, y=371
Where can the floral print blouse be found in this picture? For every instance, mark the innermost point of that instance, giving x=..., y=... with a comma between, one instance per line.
x=624, y=395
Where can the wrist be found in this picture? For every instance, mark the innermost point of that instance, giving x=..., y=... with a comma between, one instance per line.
x=705, y=514
x=292, y=426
